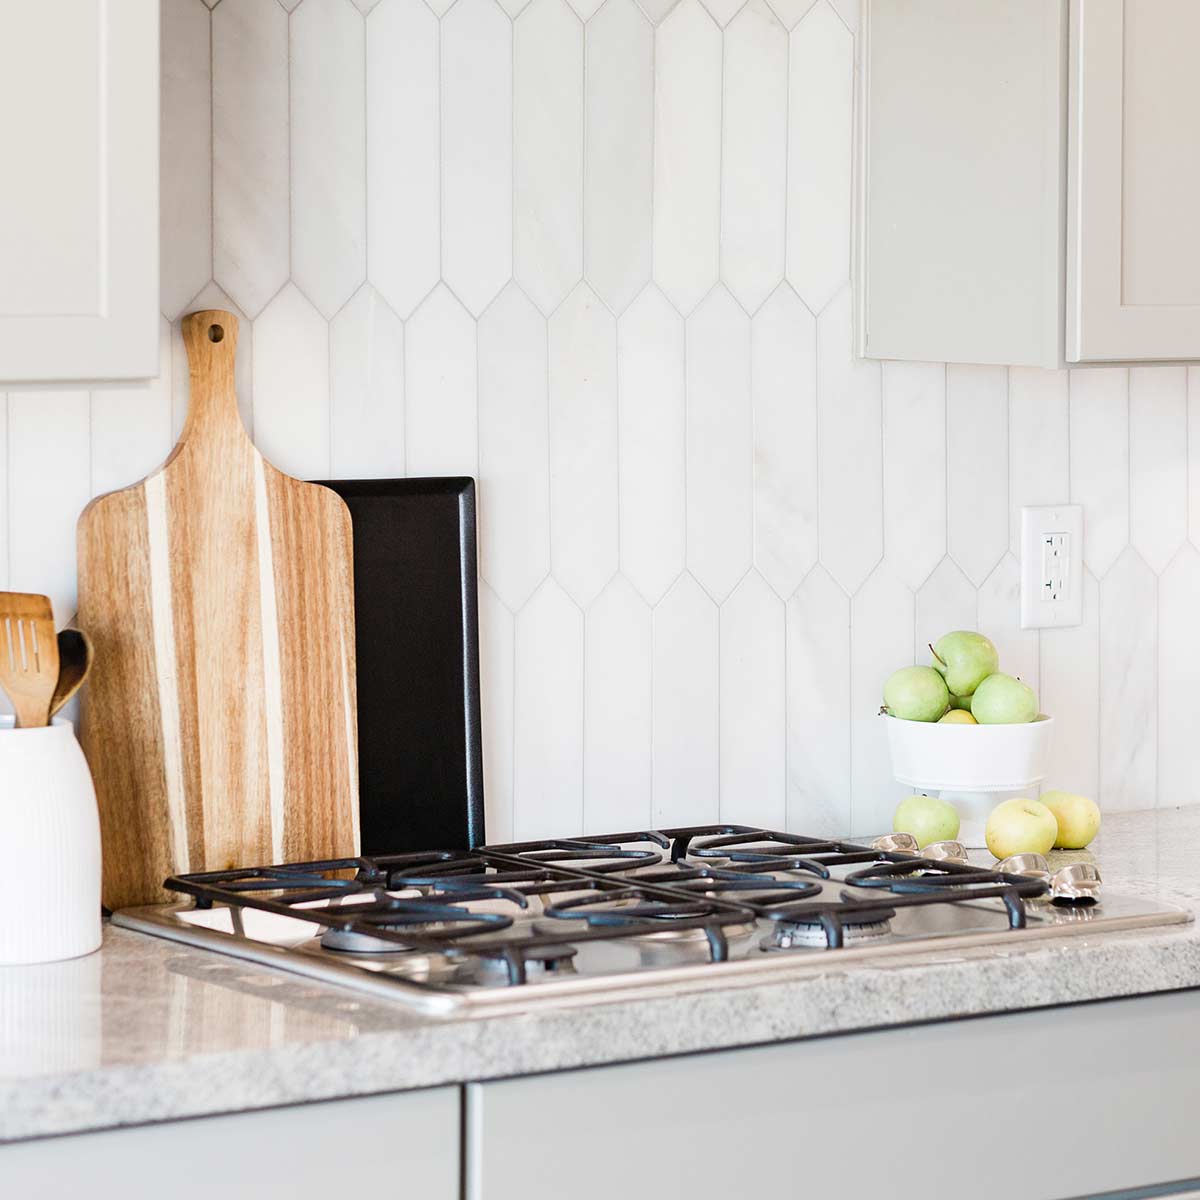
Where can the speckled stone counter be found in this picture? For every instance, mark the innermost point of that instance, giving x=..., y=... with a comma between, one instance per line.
x=149, y=1030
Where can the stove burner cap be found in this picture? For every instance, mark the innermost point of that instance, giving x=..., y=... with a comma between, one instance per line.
x=788, y=935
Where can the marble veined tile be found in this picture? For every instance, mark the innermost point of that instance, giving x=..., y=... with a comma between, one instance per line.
x=1039, y=443
x=1158, y=466
x=1100, y=461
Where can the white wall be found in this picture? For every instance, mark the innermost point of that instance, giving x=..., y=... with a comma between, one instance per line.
x=597, y=255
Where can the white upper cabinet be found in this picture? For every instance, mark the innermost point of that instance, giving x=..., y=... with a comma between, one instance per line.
x=1029, y=171
x=1133, y=264
x=79, y=203
x=962, y=169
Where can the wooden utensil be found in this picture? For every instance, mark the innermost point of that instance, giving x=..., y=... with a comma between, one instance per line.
x=28, y=656
x=75, y=656
x=220, y=724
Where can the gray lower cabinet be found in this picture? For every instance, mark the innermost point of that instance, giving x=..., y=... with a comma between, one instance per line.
x=412, y=1140
x=1041, y=1105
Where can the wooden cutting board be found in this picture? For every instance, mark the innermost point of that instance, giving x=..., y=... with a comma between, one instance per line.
x=219, y=721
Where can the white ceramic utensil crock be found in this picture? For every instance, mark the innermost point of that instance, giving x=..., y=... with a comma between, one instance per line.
x=49, y=846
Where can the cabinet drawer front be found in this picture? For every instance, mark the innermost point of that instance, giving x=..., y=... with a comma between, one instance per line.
x=312, y=1150
x=1076, y=1101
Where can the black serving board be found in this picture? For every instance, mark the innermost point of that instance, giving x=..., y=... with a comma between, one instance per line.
x=420, y=762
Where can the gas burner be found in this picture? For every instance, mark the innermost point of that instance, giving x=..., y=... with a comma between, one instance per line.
x=541, y=962
x=813, y=934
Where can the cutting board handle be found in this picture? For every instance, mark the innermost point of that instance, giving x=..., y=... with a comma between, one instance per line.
x=211, y=337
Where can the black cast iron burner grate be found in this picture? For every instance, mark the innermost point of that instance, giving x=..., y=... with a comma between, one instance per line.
x=712, y=879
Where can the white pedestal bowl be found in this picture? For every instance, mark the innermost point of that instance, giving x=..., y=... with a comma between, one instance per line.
x=972, y=766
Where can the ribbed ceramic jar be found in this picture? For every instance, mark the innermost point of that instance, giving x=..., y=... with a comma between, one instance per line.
x=49, y=846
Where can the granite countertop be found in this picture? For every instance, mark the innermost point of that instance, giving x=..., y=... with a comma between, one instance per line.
x=146, y=1029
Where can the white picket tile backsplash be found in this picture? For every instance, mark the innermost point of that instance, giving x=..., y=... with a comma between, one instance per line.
x=596, y=254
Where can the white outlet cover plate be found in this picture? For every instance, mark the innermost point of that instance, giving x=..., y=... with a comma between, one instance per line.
x=1051, y=566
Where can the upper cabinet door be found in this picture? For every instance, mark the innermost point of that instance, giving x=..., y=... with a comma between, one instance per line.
x=1133, y=251
x=79, y=201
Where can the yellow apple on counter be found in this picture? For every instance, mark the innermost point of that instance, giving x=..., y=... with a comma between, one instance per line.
x=1078, y=818
x=1020, y=826
x=958, y=716
x=927, y=818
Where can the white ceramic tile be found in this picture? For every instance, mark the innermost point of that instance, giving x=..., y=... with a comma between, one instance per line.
x=790, y=12
x=818, y=707
x=617, y=730
x=185, y=153
x=1128, y=684
x=547, y=151
x=211, y=296
x=1039, y=443
x=687, y=154
x=754, y=154
x=657, y=11
x=976, y=467
x=753, y=720
x=287, y=4
x=403, y=158
x=618, y=164
x=131, y=426
x=881, y=640
x=365, y=6
x=914, y=467
x=548, y=721
x=251, y=204
x=686, y=707
x=291, y=386
x=1158, y=467
x=1194, y=454
x=849, y=451
x=514, y=8
x=476, y=151
x=328, y=108
x=722, y=11
x=366, y=347
x=514, y=447
x=583, y=445
x=496, y=683
x=1178, y=672
x=820, y=107
x=1000, y=620
x=652, y=419
x=945, y=602
x=783, y=357
x=439, y=388
x=848, y=11
x=48, y=475
x=720, y=445
x=1070, y=693
x=1100, y=461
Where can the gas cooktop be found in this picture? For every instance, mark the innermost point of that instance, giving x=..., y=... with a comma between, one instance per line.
x=573, y=920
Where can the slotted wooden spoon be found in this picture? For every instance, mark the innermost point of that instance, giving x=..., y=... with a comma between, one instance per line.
x=28, y=656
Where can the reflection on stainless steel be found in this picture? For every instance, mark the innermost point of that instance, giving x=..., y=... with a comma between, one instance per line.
x=948, y=851
x=905, y=843
x=1033, y=865
x=1076, y=883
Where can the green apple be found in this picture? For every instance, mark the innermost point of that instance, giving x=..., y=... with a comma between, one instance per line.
x=1078, y=818
x=1020, y=826
x=916, y=694
x=958, y=716
x=966, y=659
x=1002, y=700
x=961, y=702
x=927, y=818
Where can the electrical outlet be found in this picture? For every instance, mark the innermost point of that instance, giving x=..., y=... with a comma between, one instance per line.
x=1051, y=566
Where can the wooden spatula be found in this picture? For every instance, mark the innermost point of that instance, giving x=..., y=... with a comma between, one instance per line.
x=28, y=656
x=74, y=662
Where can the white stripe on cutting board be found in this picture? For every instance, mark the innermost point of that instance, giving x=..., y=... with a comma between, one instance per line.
x=351, y=744
x=168, y=670
x=272, y=684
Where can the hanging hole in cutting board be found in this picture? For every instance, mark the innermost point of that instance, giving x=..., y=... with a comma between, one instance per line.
x=215, y=333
